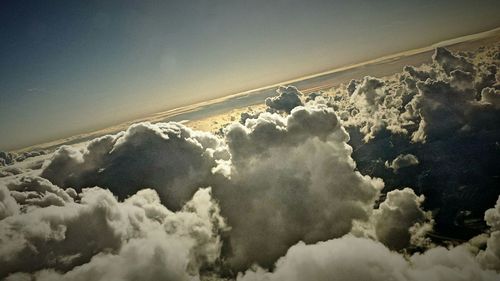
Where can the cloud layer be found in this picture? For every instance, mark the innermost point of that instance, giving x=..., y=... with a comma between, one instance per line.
x=339, y=187
x=97, y=237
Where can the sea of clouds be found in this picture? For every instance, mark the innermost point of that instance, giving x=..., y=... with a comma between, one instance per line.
x=330, y=186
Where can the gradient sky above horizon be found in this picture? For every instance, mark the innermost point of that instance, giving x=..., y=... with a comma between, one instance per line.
x=73, y=66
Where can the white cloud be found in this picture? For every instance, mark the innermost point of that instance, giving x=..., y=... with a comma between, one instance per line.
x=399, y=221
x=169, y=157
x=350, y=258
x=299, y=169
x=296, y=166
x=279, y=177
x=111, y=239
x=402, y=161
x=490, y=257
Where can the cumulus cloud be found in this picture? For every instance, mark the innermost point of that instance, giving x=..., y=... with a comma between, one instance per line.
x=446, y=114
x=490, y=257
x=6, y=158
x=169, y=157
x=100, y=238
x=299, y=169
x=297, y=166
x=429, y=101
x=491, y=96
x=278, y=178
x=33, y=191
x=8, y=205
x=312, y=96
x=9, y=158
x=350, y=258
x=355, y=258
x=450, y=62
x=400, y=221
x=288, y=98
x=402, y=161
x=11, y=171
x=373, y=106
x=447, y=103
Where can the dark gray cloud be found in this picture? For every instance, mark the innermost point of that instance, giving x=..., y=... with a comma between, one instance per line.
x=450, y=62
x=400, y=222
x=402, y=161
x=6, y=158
x=491, y=96
x=9, y=158
x=447, y=119
x=169, y=157
x=288, y=98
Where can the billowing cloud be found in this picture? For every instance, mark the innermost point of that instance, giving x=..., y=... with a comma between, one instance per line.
x=446, y=114
x=402, y=161
x=8, y=205
x=6, y=158
x=33, y=191
x=303, y=156
x=400, y=222
x=299, y=169
x=9, y=158
x=99, y=238
x=491, y=96
x=430, y=101
x=169, y=157
x=450, y=62
x=490, y=257
x=288, y=98
x=279, y=178
x=350, y=258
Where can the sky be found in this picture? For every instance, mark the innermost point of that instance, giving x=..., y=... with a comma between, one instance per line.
x=68, y=67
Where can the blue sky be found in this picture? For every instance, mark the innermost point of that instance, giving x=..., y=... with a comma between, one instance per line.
x=73, y=66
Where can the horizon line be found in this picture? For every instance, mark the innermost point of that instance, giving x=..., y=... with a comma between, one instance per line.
x=184, y=108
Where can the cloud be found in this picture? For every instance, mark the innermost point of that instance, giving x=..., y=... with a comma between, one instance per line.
x=9, y=158
x=351, y=87
x=491, y=96
x=8, y=205
x=350, y=258
x=400, y=221
x=402, y=161
x=169, y=157
x=447, y=119
x=288, y=98
x=299, y=169
x=450, y=62
x=312, y=96
x=290, y=176
x=6, y=158
x=100, y=238
x=374, y=106
x=296, y=166
x=429, y=101
x=32, y=191
x=490, y=257
x=11, y=171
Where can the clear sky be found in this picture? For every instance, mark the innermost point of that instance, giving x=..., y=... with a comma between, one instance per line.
x=73, y=66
